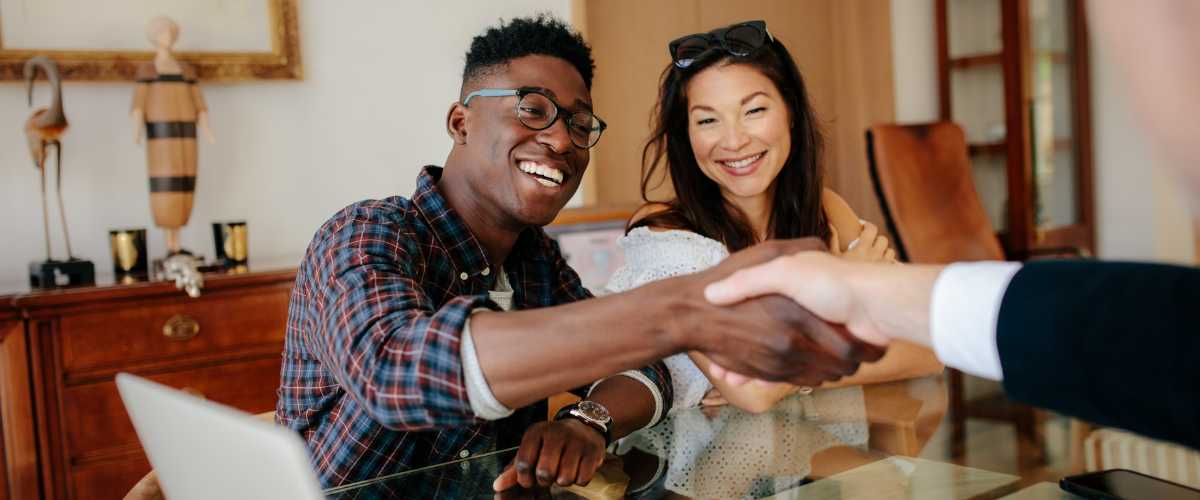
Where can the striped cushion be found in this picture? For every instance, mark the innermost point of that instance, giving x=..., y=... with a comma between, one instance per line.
x=1114, y=449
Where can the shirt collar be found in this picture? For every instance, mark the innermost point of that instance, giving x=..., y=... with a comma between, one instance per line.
x=456, y=237
x=448, y=227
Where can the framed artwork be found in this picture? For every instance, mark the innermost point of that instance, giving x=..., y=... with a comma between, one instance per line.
x=225, y=40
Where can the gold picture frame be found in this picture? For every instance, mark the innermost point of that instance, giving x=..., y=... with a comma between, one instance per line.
x=281, y=63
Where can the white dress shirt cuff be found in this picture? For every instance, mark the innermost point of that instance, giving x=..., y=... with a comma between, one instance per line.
x=483, y=403
x=654, y=392
x=963, y=315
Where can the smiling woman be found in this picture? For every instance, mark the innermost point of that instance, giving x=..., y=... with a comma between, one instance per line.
x=749, y=171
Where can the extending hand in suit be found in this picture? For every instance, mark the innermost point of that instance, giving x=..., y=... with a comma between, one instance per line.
x=876, y=302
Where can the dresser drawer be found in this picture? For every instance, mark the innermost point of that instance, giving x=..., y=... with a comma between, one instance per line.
x=94, y=418
x=107, y=480
x=172, y=329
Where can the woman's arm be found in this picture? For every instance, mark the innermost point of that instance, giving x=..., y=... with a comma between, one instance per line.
x=903, y=360
x=845, y=227
x=755, y=397
x=843, y=222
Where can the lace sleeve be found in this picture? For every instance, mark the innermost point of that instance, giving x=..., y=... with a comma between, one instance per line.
x=655, y=255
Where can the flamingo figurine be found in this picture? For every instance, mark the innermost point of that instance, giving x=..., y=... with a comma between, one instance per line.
x=42, y=130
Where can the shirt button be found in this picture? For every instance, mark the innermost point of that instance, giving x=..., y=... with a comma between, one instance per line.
x=463, y=276
x=486, y=271
x=464, y=454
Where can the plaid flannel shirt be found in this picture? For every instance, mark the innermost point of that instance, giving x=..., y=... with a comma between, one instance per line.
x=372, y=375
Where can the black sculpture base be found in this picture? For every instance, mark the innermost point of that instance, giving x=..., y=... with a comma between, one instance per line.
x=61, y=273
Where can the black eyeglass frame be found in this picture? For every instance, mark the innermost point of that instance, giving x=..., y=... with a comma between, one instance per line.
x=558, y=111
x=718, y=38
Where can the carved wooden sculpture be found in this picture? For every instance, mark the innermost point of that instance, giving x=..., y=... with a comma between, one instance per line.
x=168, y=108
x=43, y=130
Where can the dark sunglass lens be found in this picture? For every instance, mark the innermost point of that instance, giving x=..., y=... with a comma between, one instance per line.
x=536, y=111
x=742, y=40
x=688, y=50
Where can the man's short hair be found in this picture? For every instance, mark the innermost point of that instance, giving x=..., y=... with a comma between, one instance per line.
x=523, y=36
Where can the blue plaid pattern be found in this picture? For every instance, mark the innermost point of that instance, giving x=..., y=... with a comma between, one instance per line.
x=371, y=374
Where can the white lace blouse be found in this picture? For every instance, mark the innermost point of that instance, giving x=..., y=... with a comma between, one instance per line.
x=655, y=255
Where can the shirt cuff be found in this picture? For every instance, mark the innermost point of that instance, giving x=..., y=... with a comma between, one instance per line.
x=483, y=402
x=963, y=314
x=654, y=392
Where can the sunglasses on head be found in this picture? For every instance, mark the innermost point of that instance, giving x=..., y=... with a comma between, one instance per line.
x=739, y=39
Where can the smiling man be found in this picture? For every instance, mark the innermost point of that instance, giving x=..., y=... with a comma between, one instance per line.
x=432, y=328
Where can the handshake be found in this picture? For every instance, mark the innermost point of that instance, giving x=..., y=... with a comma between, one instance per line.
x=746, y=316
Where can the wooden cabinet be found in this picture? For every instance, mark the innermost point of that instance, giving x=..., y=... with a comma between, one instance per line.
x=9, y=323
x=66, y=434
x=1014, y=74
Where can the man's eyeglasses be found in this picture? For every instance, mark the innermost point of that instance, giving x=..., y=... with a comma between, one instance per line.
x=538, y=111
x=740, y=39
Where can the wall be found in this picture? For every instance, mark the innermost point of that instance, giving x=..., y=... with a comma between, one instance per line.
x=914, y=57
x=1139, y=213
x=369, y=113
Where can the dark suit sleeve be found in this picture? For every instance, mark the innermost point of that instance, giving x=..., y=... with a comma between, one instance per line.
x=1116, y=344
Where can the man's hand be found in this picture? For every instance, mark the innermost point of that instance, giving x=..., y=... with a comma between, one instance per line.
x=799, y=347
x=817, y=281
x=770, y=336
x=876, y=302
x=565, y=452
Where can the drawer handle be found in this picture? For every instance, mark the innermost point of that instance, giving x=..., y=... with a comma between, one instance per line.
x=181, y=327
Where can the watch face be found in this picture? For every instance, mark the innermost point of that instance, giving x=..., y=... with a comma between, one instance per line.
x=594, y=410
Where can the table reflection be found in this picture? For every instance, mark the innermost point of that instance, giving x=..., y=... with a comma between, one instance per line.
x=813, y=443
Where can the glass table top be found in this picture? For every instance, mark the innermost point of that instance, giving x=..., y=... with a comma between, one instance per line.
x=830, y=444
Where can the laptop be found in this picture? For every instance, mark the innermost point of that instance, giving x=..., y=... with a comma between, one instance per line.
x=204, y=450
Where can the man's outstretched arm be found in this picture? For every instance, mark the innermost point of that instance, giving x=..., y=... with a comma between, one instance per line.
x=1084, y=338
x=527, y=355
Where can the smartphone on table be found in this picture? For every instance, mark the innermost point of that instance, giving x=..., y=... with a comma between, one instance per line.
x=1126, y=485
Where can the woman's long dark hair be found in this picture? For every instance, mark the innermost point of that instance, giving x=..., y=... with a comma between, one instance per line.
x=698, y=205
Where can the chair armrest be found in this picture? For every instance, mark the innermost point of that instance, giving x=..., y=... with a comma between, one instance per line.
x=903, y=415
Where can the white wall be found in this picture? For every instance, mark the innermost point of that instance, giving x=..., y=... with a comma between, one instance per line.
x=1139, y=213
x=379, y=76
x=914, y=59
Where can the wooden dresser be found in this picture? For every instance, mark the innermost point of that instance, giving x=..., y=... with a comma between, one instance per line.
x=65, y=431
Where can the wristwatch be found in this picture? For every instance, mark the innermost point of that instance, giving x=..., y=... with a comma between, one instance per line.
x=591, y=413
